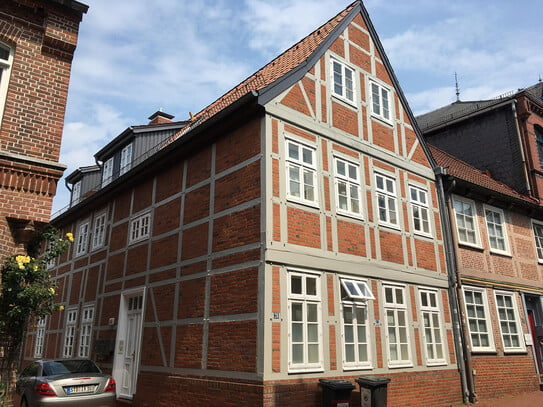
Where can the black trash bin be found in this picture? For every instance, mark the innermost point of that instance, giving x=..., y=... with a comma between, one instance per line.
x=373, y=391
x=336, y=392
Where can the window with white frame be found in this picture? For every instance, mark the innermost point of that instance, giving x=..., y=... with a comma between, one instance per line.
x=509, y=320
x=6, y=61
x=432, y=332
x=82, y=239
x=537, y=227
x=301, y=172
x=348, y=189
x=76, y=193
x=478, y=319
x=139, y=227
x=397, y=328
x=126, y=159
x=380, y=101
x=98, y=231
x=497, y=233
x=305, y=331
x=355, y=334
x=69, y=333
x=466, y=221
x=385, y=189
x=85, y=333
x=420, y=211
x=40, y=337
x=342, y=81
x=107, y=172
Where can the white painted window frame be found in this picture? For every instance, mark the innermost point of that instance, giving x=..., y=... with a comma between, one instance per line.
x=397, y=309
x=491, y=227
x=389, y=196
x=432, y=332
x=380, y=101
x=461, y=224
x=306, y=300
x=140, y=227
x=511, y=320
x=85, y=331
x=350, y=180
x=126, y=159
x=418, y=198
x=82, y=239
x=339, y=75
x=76, y=193
x=5, y=73
x=69, y=333
x=99, y=231
x=107, y=171
x=537, y=230
x=471, y=316
x=302, y=167
x=40, y=337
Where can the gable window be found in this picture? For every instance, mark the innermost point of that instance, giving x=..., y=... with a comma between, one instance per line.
x=126, y=159
x=478, y=319
x=466, y=221
x=85, y=335
x=537, y=227
x=432, y=332
x=380, y=101
x=397, y=331
x=76, y=192
x=107, y=172
x=301, y=172
x=385, y=187
x=420, y=212
x=509, y=320
x=82, y=239
x=139, y=227
x=98, y=231
x=40, y=337
x=539, y=141
x=305, y=331
x=356, y=338
x=69, y=333
x=348, y=190
x=497, y=233
x=6, y=60
x=342, y=81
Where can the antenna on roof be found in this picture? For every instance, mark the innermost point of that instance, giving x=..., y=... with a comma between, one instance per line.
x=457, y=87
x=540, y=80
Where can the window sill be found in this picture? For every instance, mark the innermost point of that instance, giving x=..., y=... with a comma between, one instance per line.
x=387, y=122
x=471, y=246
x=351, y=215
x=351, y=368
x=514, y=351
x=400, y=366
x=305, y=370
x=499, y=253
x=312, y=204
x=349, y=103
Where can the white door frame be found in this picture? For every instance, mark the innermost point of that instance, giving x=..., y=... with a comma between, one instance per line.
x=119, y=372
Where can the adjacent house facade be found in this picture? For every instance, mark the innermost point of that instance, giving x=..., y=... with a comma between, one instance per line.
x=288, y=232
x=37, y=42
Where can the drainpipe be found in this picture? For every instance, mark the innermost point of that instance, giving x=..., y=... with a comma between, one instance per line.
x=521, y=145
x=455, y=291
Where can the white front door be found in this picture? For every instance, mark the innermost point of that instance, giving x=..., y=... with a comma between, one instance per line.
x=128, y=344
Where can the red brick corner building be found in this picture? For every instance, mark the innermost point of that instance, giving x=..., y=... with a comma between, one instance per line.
x=37, y=42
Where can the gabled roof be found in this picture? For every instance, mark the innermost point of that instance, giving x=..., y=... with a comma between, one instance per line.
x=471, y=175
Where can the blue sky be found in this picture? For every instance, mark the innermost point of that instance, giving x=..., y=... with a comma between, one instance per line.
x=135, y=57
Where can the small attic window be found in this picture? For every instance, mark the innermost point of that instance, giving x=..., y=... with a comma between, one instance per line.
x=539, y=141
x=357, y=289
x=76, y=193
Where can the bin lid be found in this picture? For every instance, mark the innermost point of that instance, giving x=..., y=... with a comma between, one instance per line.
x=337, y=384
x=372, y=381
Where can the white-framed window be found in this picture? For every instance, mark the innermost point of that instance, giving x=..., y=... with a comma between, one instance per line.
x=126, y=159
x=478, y=319
x=76, y=193
x=380, y=101
x=99, y=231
x=508, y=317
x=107, y=172
x=301, y=172
x=139, y=227
x=69, y=333
x=497, y=231
x=537, y=227
x=431, y=327
x=6, y=61
x=305, y=327
x=40, y=337
x=466, y=221
x=355, y=324
x=343, y=81
x=397, y=326
x=82, y=239
x=85, y=333
x=387, y=201
x=420, y=211
x=348, y=189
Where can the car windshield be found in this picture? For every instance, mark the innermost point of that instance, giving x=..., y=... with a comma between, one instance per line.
x=56, y=367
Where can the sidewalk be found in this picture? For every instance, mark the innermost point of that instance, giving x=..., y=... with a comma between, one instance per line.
x=533, y=399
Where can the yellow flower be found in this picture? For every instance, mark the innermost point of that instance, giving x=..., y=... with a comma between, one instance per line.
x=21, y=266
x=52, y=290
x=70, y=236
x=35, y=268
x=61, y=307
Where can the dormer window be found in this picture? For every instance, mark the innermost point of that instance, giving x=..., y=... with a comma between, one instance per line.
x=107, y=172
x=76, y=193
x=126, y=159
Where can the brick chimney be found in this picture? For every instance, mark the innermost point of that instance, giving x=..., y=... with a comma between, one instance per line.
x=160, y=117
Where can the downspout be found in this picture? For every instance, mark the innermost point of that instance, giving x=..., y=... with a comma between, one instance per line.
x=455, y=291
x=521, y=145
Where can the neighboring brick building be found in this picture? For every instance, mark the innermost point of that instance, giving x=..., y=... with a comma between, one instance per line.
x=497, y=233
x=288, y=232
x=37, y=42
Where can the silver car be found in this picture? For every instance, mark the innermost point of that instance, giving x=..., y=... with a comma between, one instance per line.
x=65, y=382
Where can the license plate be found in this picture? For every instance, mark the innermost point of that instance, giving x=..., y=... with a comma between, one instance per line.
x=80, y=389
